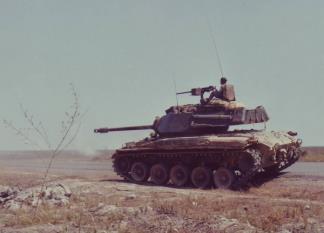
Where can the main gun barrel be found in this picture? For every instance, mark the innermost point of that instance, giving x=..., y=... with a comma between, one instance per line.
x=128, y=128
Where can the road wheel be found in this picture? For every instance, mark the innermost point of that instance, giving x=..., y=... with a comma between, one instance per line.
x=179, y=175
x=201, y=177
x=122, y=165
x=139, y=172
x=159, y=174
x=223, y=178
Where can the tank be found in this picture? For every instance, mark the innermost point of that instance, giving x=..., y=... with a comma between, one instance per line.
x=192, y=144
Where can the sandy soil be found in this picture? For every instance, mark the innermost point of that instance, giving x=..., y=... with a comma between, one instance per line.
x=101, y=202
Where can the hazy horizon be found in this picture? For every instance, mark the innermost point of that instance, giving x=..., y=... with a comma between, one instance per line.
x=122, y=57
x=85, y=152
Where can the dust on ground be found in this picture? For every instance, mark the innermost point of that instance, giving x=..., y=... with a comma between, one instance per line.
x=102, y=202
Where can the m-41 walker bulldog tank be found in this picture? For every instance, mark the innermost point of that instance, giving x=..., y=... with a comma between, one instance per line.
x=192, y=144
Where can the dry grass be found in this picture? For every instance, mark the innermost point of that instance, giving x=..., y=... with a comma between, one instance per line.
x=266, y=216
x=65, y=218
x=78, y=216
x=22, y=180
x=283, y=203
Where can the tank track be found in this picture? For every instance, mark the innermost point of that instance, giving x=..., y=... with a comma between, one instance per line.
x=209, y=159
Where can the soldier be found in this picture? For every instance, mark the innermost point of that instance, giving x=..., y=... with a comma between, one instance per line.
x=222, y=89
x=221, y=93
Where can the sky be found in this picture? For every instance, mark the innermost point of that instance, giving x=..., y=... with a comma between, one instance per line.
x=122, y=58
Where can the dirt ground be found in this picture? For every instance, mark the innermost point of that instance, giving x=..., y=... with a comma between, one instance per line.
x=102, y=202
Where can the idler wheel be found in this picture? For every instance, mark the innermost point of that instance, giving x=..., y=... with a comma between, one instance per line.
x=179, y=175
x=122, y=165
x=139, y=172
x=201, y=177
x=159, y=174
x=223, y=178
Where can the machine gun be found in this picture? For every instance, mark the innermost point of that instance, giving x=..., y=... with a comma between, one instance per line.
x=199, y=91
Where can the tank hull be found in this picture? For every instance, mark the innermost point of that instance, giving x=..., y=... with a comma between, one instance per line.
x=227, y=160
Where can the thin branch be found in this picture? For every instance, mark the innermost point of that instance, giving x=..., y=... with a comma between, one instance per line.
x=42, y=128
x=20, y=133
x=30, y=120
x=76, y=131
x=71, y=139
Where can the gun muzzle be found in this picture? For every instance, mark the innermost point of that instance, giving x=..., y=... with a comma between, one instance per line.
x=101, y=130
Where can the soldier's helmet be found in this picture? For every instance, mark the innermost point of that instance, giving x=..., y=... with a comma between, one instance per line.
x=223, y=80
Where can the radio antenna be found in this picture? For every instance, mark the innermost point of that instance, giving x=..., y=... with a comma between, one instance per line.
x=175, y=90
x=212, y=36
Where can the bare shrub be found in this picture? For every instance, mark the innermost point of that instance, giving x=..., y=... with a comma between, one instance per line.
x=70, y=127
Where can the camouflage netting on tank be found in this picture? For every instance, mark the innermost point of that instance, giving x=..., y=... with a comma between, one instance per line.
x=229, y=105
x=218, y=103
x=182, y=108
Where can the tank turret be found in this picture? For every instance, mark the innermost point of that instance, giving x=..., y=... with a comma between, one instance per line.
x=199, y=119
